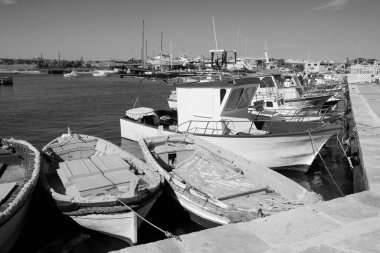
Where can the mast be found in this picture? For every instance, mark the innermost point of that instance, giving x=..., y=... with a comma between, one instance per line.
x=161, y=43
x=142, y=47
x=216, y=42
x=171, y=52
x=237, y=41
x=266, y=56
x=245, y=52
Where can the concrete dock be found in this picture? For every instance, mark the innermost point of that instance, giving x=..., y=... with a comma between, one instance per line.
x=348, y=224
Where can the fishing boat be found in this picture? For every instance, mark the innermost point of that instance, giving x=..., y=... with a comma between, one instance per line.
x=6, y=81
x=98, y=185
x=294, y=94
x=217, y=187
x=19, y=172
x=75, y=73
x=273, y=107
x=218, y=112
x=102, y=73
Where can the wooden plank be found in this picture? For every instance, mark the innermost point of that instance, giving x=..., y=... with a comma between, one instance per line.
x=216, y=179
x=77, y=167
x=6, y=189
x=171, y=149
x=95, y=174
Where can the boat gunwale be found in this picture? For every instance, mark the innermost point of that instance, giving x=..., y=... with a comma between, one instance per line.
x=26, y=189
x=322, y=128
x=71, y=204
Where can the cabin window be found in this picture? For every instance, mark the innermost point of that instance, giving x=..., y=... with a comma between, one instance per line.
x=267, y=82
x=269, y=104
x=246, y=98
x=222, y=94
x=233, y=99
x=279, y=81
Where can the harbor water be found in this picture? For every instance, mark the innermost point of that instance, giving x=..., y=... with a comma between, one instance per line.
x=39, y=108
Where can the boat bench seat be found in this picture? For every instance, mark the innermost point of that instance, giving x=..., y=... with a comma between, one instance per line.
x=76, y=150
x=98, y=174
x=163, y=149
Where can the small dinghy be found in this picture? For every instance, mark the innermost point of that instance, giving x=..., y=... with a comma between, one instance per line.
x=19, y=171
x=218, y=187
x=98, y=185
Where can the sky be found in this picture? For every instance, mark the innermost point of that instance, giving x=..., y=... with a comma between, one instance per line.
x=112, y=29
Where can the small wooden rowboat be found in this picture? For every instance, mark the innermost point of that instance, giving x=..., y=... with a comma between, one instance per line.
x=6, y=81
x=218, y=187
x=19, y=171
x=98, y=185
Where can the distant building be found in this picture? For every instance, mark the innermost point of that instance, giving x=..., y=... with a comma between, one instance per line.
x=318, y=66
x=295, y=61
x=365, y=69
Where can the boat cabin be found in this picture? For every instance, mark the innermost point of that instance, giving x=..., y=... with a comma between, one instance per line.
x=274, y=84
x=206, y=107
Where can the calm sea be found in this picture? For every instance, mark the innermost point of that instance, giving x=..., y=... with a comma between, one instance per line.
x=39, y=108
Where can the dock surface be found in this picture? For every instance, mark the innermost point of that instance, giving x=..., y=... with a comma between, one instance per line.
x=348, y=224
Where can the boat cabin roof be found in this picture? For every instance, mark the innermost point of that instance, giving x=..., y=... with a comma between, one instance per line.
x=140, y=112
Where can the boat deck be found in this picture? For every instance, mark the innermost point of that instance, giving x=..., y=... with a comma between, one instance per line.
x=12, y=175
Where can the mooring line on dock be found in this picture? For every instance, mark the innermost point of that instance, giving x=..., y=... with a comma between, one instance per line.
x=328, y=171
x=166, y=233
x=344, y=152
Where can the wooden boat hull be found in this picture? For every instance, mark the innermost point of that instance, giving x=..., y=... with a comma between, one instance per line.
x=23, y=167
x=6, y=81
x=11, y=230
x=217, y=187
x=199, y=214
x=102, y=212
x=121, y=225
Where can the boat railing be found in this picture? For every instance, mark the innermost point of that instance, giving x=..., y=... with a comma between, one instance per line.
x=308, y=113
x=222, y=127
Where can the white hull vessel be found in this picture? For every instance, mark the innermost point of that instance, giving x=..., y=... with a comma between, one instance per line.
x=296, y=151
x=218, y=112
x=120, y=225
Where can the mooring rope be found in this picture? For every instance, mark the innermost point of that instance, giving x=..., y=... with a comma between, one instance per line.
x=320, y=156
x=167, y=233
x=344, y=152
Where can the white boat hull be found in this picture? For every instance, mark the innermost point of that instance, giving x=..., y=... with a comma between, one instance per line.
x=295, y=152
x=135, y=131
x=309, y=101
x=275, y=152
x=120, y=225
